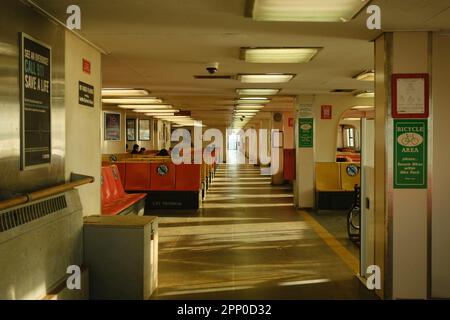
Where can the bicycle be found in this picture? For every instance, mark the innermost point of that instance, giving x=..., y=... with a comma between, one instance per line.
x=354, y=217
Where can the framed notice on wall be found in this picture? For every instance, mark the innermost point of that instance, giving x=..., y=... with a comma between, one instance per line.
x=326, y=112
x=144, y=130
x=112, y=126
x=36, y=100
x=410, y=95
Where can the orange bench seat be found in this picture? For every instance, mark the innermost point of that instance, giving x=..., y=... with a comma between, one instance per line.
x=114, y=198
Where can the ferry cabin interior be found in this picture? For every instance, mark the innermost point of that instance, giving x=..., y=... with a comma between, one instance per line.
x=224, y=149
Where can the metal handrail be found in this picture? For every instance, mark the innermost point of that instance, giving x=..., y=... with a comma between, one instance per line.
x=76, y=180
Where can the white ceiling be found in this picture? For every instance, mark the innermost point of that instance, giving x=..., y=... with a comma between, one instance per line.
x=161, y=44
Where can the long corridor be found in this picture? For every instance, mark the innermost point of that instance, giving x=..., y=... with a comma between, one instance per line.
x=249, y=242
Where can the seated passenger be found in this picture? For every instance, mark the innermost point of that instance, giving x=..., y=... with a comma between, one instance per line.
x=142, y=151
x=135, y=149
x=163, y=153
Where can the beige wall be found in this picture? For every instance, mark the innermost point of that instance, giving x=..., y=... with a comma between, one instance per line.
x=441, y=171
x=327, y=130
x=83, y=147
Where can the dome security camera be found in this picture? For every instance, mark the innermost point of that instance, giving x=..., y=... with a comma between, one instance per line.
x=212, y=67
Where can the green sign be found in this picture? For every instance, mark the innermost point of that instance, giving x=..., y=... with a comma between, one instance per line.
x=306, y=132
x=410, y=154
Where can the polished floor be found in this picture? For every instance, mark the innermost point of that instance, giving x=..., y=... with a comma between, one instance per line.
x=249, y=242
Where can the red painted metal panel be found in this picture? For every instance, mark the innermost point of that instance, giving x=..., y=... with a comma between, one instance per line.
x=162, y=176
x=289, y=164
x=137, y=176
x=188, y=177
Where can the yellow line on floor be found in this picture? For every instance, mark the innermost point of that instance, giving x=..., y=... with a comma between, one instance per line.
x=349, y=259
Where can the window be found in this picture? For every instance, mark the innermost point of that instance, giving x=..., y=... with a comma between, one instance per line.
x=349, y=137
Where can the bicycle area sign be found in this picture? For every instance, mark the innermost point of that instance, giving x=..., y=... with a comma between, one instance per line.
x=410, y=153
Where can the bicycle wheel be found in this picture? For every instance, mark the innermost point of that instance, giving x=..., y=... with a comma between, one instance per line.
x=353, y=224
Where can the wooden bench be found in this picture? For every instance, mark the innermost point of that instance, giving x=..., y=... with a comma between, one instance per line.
x=115, y=201
x=335, y=184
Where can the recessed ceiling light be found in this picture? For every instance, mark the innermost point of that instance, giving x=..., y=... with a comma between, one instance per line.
x=145, y=106
x=245, y=113
x=306, y=10
x=247, y=110
x=365, y=94
x=255, y=101
x=257, y=92
x=367, y=75
x=155, y=111
x=278, y=55
x=363, y=107
x=249, y=106
x=127, y=101
x=255, y=98
x=124, y=92
x=159, y=114
x=266, y=78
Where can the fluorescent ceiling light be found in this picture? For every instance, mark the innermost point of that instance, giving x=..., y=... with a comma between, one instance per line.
x=127, y=101
x=266, y=78
x=365, y=94
x=363, y=107
x=254, y=98
x=278, y=55
x=248, y=106
x=255, y=101
x=124, y=92
x=307, y=10
x=158, y=114
x=248, y=110
x=352, y=119
x=155, y=111
x=145, y=106
x=244, y=114
x=368, y=75
x=257, y=92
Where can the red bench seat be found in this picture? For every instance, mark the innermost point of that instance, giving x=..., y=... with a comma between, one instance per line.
x=114, y=198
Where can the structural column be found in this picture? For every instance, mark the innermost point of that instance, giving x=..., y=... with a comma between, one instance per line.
x=403, y=168
x=304, y=145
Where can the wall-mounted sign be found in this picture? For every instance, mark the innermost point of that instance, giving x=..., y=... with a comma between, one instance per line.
x=86, y=66
x=85, y=94
x=352, y=170
x=162, y=170
x=306, y=132
x=326, y=112
x=36, y=75
x=410, y=154
x=112, y=126
x=410, y=95
x=306, y=111
x=291, y=122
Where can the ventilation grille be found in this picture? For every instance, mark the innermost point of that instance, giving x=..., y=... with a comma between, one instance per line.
x=14, y=218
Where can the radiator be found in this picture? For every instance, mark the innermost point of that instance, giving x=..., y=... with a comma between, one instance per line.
x=38, y=241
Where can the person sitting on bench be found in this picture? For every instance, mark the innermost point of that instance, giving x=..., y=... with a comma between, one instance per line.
x=163, y=153
x=135, y=149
